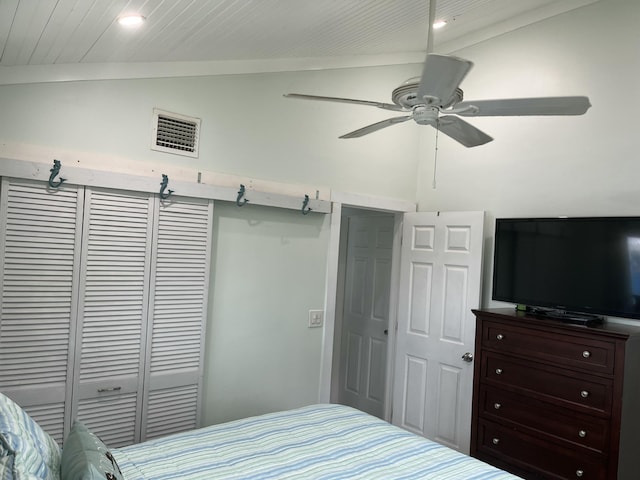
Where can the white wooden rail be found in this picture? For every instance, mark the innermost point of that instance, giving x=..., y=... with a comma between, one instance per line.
x=124, y=181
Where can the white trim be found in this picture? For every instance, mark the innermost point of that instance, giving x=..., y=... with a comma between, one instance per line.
x=336, y=393
x=150, y=168
x=373, y=203
x=105, y=179
x=330, y=293
x=23, y=74
x=339, y=200
x=394, y=296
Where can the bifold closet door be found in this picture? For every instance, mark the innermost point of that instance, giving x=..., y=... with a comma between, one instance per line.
x=112, y=313
x=178, y=313
x=103, y=308
x=40, y=230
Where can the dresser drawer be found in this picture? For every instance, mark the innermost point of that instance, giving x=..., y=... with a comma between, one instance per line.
x=556, y=347
x=543, y=459
x=532, y=416
x=562, y=387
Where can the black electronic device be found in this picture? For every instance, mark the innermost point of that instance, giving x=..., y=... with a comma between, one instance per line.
x=575, y=268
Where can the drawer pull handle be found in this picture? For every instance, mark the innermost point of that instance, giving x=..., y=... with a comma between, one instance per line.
x=582, y=433
x=497, y=406
x=498, y=371
x=496, y=441
x=584, y=394
x=586, y=354
x=579, y=473
x=499, y=336
x=110, y=389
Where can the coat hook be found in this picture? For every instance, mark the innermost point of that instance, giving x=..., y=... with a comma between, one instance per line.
x=240, y=195
x=305, y=202
x=163, y=185
x=54, y=171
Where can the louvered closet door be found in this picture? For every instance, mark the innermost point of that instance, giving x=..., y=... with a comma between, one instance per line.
x=40, y=232
x=178, y=309
x=115, y=267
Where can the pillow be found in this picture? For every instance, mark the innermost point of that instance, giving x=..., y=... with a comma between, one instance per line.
x=25, y=449
x=6, y=467
x=86, y=457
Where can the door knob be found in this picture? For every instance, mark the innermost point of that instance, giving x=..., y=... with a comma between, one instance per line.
x=467, y=357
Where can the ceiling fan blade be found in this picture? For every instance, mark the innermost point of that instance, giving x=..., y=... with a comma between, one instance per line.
x=384, y=106
x=509, y=107
x=441, y=75
x=462, y=131
x=376, y=126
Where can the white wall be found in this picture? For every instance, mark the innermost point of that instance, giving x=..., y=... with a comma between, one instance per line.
x=261, y=355
x=576, y=166
x=248, y=127
x=268, y=265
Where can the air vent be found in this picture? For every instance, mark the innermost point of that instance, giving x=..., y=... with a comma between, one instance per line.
x=175, y=133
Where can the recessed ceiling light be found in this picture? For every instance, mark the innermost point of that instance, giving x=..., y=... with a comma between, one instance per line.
x=131, y=20
x=439, y=24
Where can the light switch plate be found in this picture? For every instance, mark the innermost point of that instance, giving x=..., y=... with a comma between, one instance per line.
x=316, y=318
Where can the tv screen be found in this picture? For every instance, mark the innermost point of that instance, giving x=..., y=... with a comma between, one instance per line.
x=587, y=265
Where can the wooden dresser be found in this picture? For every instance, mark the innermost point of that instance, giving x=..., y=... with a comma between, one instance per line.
x=553, y=400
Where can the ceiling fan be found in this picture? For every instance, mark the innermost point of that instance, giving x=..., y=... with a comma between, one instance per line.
x=436, y=99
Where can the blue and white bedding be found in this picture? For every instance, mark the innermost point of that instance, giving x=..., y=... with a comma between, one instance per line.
x=310, y=443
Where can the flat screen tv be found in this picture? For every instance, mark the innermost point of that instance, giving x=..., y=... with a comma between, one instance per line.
x=571, y=267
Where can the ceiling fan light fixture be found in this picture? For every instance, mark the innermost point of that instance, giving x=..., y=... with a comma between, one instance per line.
x=131, y=20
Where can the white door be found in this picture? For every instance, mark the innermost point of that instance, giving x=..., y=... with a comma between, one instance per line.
x=113, y=302
x=440, y=280
x=365, y=321
x=40, y=232
x=180, y=263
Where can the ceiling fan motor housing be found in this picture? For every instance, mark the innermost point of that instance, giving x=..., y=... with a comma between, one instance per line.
x=425, y=115
x=406, y=95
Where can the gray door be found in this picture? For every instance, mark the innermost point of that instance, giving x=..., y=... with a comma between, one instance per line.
x=363, y=358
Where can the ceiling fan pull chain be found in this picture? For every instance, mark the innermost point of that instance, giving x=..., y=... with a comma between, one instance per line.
x=435, y=157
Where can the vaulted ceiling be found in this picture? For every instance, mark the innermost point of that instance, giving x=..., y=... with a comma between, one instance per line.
x=63, y=32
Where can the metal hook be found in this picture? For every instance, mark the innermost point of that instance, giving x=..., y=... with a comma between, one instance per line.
x=240, y=195
x=163, y=185
x=54, y=171
x=305, y=202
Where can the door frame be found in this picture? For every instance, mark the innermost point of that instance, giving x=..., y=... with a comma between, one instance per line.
x=332, y=282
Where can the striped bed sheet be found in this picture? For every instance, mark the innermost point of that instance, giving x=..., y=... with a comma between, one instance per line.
x=310, y=443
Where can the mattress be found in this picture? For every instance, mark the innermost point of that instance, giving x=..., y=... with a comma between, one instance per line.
x=315, y=442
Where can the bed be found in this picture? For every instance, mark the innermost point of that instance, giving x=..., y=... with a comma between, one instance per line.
x=314, y=442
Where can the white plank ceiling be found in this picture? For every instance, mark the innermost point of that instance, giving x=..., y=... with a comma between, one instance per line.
x=63, y=32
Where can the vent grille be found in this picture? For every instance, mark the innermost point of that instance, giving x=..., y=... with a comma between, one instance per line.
x=175, y=133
